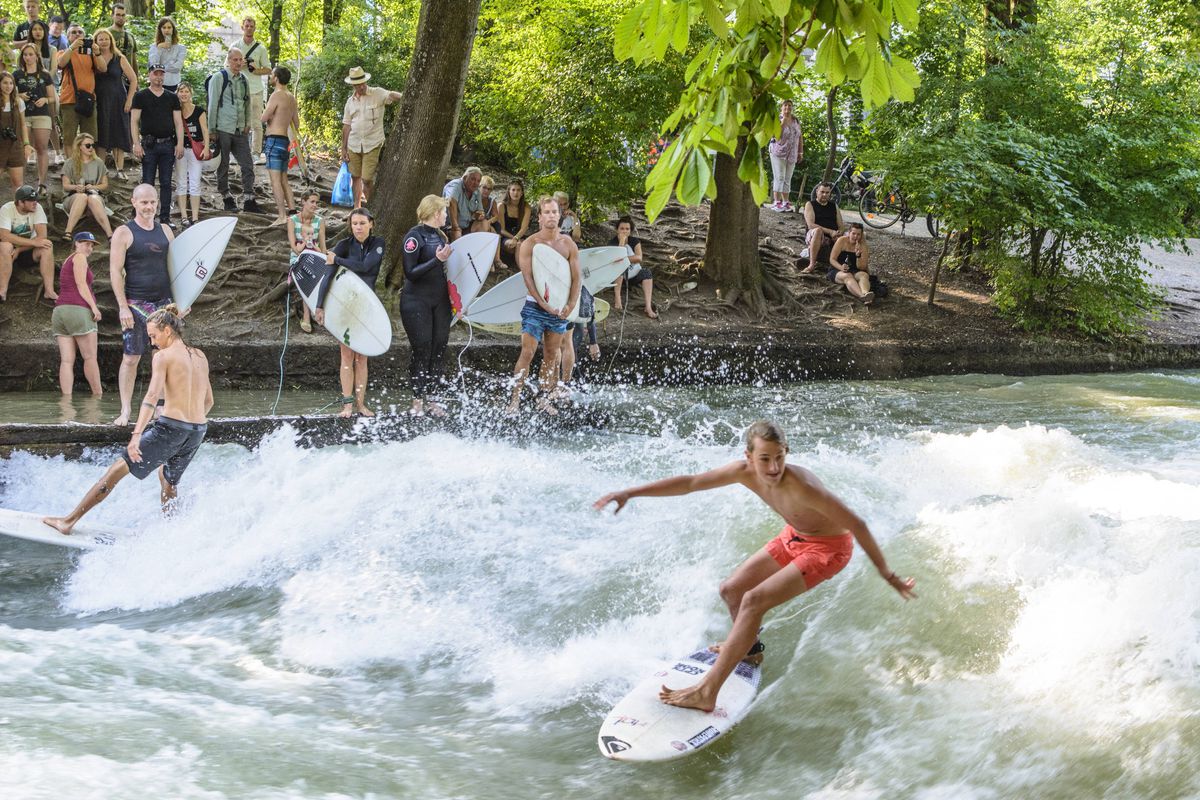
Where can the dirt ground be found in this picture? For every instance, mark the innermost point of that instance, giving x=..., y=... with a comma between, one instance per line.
x=243, y=306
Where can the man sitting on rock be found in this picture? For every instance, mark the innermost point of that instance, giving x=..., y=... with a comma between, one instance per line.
x=824, y=221
x=23, y=241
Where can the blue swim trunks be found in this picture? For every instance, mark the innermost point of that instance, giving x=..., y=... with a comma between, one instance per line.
x=535, y=321
x=277, y=153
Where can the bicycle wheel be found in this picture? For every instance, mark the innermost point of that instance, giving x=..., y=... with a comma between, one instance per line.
x=882, y=210
x=934, y=225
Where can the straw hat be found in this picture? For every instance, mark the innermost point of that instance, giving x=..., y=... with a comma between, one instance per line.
x=357, y=75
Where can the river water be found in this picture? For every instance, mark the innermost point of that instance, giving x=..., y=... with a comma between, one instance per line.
x=446, y=618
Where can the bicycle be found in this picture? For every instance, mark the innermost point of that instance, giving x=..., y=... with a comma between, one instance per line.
x=878, y=208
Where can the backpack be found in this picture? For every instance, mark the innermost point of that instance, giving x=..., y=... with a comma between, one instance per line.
x=224, y=85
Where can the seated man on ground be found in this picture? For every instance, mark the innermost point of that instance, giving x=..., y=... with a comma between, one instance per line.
x=23, y=241
x=849, y=257
x=466, y=214
x=824, y=221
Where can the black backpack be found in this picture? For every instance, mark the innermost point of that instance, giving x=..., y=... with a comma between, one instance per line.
x=224, y=85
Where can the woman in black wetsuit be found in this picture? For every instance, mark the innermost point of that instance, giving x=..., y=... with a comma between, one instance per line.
x=362, y=254
x=425, y=302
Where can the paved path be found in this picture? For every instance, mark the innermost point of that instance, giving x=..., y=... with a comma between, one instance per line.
x=1178, y=273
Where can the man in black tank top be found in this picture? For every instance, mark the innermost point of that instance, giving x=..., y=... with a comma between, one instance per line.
x=137, y=268
x=824, y=221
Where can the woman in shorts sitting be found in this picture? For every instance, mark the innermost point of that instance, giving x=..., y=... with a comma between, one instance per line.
x=84, y=182
x=849, y=258
x=75, y=317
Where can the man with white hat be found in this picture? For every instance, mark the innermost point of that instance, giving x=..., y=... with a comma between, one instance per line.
x=362, y=131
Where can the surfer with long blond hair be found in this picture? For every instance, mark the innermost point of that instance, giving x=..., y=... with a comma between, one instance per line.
x=179, y=377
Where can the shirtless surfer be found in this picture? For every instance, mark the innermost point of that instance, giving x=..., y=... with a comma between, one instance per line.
x=817, y=541
x=179, y=374
x=280, y=115
x=540, y=322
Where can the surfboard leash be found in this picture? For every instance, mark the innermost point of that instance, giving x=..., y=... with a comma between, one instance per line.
x=287, y=322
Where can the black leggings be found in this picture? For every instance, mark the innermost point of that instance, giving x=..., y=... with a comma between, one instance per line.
x=427, y=325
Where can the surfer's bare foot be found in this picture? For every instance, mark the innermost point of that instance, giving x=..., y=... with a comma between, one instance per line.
x=346, y=412
x=651, y=313
x=513, y=408
x=122, y=420
x=436, y=409
x=697, y=696
x=546, y=407
x=59, y=524
x=275, y=223
x=364, y=411
x=417, y=409
x=754, y=657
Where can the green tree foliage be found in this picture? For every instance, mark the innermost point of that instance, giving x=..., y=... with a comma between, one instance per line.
x=546, y=99
x=751, y=51
x=1058, y=146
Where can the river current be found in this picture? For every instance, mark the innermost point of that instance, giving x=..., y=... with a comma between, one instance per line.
x=447, y=618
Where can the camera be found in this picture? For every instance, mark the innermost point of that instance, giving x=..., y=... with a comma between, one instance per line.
x=86, y=47
x=8, y=134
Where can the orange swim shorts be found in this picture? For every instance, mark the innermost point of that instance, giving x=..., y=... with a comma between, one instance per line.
x=817, y=557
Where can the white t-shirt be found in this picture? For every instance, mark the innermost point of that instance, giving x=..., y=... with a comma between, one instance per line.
x=21, y=224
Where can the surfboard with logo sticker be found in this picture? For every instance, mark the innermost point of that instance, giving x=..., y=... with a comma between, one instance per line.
x=643, y=728
x=471, y=259
x=194, y=256
x=353, y=314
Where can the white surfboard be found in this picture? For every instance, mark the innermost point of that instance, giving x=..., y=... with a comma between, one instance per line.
x=471, y=259
x=514, y=328
x=501, y=304
x=601, y=266
x=353, y=314
x=85, y=536
x=552, y=278
x=643, y=728
x=193, y=258
x=633, y=269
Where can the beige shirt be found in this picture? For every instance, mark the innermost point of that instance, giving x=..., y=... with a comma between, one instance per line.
x=364, y=115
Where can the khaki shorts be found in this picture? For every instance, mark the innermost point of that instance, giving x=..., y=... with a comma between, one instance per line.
x=39, y=123
x=365, y=165
x=72, y=321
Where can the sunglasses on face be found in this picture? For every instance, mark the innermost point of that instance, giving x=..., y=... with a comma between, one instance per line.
x=87, y=145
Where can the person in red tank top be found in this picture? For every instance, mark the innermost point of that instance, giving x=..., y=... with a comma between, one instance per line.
x=75, y=317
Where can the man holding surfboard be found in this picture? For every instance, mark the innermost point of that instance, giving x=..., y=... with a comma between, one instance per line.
x=137, y=269
x=540, y=321
x=179, y=375
x=815, y=544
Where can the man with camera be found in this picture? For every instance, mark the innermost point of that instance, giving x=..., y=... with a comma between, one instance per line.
x=23, y=240
x=77, y=99
x=156, y=118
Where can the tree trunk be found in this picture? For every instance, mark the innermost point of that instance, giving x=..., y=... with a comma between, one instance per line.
x=331, y=15
x=831, y=120
x=415, y=160
x=276, y=24
x=731, y=247
x=139, y=8
x=168, y=8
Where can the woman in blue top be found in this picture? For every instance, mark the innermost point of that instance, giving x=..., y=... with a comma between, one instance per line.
x=362, y=254
x=425, y=302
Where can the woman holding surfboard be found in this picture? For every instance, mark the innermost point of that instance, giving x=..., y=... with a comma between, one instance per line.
x=425, y=309
x=362, y=254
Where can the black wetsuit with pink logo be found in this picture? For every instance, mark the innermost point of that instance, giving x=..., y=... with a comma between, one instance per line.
x=425, y=309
